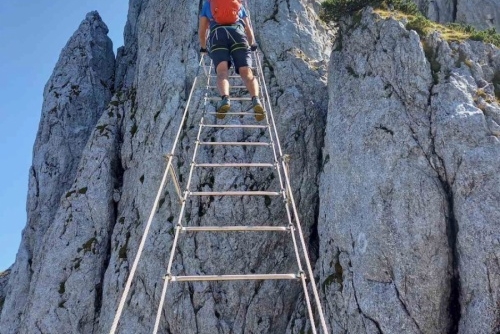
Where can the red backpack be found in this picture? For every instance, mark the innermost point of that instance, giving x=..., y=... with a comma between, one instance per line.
x=225, y=11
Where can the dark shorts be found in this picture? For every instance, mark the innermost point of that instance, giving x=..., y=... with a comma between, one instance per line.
x=229, y=43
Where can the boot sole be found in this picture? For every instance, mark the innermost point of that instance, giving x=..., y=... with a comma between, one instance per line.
x=259, y=113
x=221, y=112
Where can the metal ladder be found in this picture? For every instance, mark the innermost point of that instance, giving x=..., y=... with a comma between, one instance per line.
x=279, y=164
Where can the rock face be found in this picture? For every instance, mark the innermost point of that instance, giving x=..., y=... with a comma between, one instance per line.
x=410, y=182
x=98, y=216
x=482, y=14
x=4, y=279
x=394, y=167
x=442, y=11
x=296, y=51
x=74, y=99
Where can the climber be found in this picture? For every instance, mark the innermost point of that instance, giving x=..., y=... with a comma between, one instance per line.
x=231, y=40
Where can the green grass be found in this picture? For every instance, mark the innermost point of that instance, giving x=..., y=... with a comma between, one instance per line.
x=333, y=10
x=487, y=36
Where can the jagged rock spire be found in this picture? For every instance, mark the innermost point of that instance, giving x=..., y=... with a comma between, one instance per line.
x=75, y=97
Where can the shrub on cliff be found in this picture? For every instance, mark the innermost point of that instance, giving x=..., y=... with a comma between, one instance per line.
x=487, y=36
x=333, y=10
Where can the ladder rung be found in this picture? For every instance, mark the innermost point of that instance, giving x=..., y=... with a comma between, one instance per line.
x=233, y=126
x=234, y=193
x=231, y=277
x=250, y=164
x=236, y=229
x=236, y=143
x=232, y=113
x=229, y=86
x=217, y=98
x=231, y=76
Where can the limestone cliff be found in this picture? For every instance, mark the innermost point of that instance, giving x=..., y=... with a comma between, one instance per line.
x=482, y=14
x=408, y=223
x=394, y=167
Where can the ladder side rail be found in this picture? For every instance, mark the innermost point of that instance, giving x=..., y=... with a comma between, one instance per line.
x=294, y=208
x=165, y=284
x=304, y=250
x=308, y=303
x=145, y=234
x=175, y=180
x=207, y=74
x=273, y=139
x=160, y=307
x=208, y=85
x=269, y=106
x=299, y=264
x=139, y=251
x=178, y=227
x=184, y=116
x=193, y=159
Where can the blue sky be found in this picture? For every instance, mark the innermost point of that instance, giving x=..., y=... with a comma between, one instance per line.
x=32, y=34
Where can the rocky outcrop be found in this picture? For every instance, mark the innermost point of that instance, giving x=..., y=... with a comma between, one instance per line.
x=4, y=279
x=442, y=11
x=408, y=223
x=74, y=99
x=77, y=254
x=481, y=14
x=467, y=117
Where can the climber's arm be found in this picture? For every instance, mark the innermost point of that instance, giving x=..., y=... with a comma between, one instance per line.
x=249, y=31
x=202, y=31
